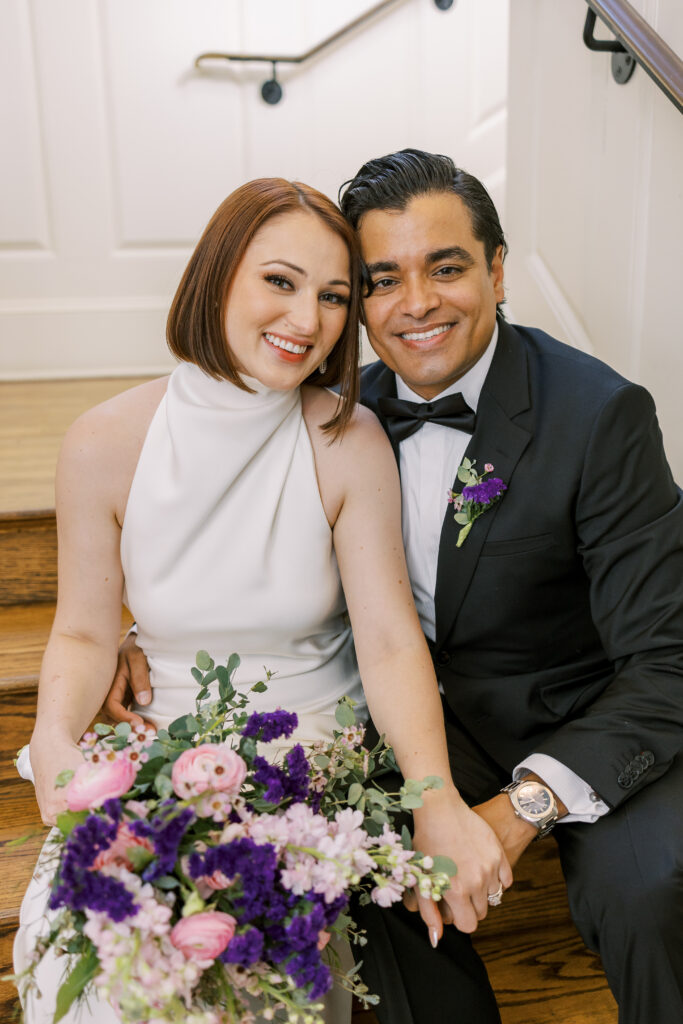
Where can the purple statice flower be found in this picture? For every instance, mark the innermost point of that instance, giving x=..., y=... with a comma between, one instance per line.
x=165, y=834
x=270, y=725
x=288, y=783
x=78, y=887
x=484, y=493
x=296, y=947
x=254, y=863
x=244, y=949
x=331, y=911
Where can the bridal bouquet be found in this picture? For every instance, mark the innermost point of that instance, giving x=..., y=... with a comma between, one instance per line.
x=198, y=880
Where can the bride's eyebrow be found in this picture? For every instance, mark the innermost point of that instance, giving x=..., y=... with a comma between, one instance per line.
x=286, y=263
x=299, y=270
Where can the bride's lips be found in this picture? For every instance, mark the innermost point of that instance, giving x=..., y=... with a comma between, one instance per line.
x=425, y=337
x=290, y=350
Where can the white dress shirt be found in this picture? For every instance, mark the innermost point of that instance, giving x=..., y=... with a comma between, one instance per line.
x=429, y=461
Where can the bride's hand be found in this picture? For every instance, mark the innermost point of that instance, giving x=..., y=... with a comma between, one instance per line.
x=446, y=825
x=47, y=761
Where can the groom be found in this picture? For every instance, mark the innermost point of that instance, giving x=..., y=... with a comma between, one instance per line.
x=556, y=625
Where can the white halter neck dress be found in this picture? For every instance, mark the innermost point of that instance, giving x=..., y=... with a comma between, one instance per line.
x=226, y=547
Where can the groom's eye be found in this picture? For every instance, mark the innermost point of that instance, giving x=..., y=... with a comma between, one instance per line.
x=383, y=282
x=449, y=271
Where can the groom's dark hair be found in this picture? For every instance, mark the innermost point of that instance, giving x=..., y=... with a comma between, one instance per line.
x=390, y=182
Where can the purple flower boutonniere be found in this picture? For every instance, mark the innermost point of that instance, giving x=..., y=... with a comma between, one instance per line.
x=476, y=497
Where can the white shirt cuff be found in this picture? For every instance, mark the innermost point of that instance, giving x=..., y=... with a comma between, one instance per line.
x=582, y=803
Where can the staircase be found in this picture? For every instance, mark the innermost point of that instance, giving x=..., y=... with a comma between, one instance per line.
x=538, y=965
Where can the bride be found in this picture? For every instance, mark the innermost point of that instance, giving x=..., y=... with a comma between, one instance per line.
x=238, y=505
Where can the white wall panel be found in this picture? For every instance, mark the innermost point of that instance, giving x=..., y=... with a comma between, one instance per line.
x=595, y=200
x=23, y=208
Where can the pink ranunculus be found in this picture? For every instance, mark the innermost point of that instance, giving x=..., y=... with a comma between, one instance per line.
x=204, y=936
x=95, y=782
x=210, y=766
x=117, y=853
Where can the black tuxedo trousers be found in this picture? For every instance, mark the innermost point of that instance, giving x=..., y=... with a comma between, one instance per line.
x=559, y=630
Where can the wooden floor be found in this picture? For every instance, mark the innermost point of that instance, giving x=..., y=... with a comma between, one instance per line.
x=539, y=968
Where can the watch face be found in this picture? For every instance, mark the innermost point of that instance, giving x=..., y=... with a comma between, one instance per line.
x=534, y=800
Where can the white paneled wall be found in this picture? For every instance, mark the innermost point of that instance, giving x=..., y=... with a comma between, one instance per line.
x=115, y=150
x=595, y=200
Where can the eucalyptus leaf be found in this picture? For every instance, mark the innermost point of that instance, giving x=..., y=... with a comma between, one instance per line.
x=204, y=661
x=163, y=786
x=64, y=778
x=461, y=518
x=67, y=821
x=379, y=816
x=186, y=725
x=373, y=829
x=344, y=715
x=197, y=675
x=210, y=677
x=355, y=793
x=139, y=857
x=467, y=463
x=406, y=838
x=84, y=971
x=167, y=882
x=409, y=801
x=414, y=786
x=445, y=865
x=433, y=782
x=234, y=662
x=123, y=729
x=322, y=760
x=259, y=688
x=102, y=730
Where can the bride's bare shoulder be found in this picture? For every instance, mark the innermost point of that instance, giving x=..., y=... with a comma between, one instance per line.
x=111, y=434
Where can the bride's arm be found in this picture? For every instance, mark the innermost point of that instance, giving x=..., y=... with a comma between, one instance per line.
x=396, y=668
x=80, y=657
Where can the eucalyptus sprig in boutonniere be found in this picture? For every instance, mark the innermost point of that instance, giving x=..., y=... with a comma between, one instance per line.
x=476, y=497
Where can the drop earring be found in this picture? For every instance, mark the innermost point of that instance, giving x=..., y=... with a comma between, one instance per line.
x=323, y=367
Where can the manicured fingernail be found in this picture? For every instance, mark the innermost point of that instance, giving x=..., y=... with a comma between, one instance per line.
x=144, y=697
x=434, y=937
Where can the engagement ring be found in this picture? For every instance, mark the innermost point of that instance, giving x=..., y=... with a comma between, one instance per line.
x=496, y=898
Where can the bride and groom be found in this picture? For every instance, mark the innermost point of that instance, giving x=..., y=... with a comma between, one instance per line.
x=554, y=628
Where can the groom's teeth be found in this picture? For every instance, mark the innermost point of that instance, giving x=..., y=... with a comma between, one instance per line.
x=423, y=335
x=289, y=346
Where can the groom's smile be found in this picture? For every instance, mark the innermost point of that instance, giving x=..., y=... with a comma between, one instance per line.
x=431, y=310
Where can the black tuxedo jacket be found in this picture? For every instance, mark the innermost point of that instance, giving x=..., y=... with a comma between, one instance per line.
x=559, y=622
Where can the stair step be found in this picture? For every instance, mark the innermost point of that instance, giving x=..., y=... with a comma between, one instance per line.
x=28, y=556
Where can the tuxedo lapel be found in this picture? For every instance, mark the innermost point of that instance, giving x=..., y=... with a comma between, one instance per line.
x=378, y=381
x=500, y=441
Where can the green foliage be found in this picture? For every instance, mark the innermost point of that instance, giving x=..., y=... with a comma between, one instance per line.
x=67, y=821
x=84, y=971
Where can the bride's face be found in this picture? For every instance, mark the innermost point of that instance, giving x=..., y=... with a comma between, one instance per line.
x=288, y=300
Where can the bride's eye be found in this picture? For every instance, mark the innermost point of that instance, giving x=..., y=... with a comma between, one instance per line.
x=334, y=298
x=280, y=281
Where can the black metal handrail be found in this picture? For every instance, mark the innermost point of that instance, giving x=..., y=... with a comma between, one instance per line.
x=641, y=41
x=271, y=90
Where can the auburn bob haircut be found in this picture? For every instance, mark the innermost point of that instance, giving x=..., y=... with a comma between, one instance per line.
x=195, y=330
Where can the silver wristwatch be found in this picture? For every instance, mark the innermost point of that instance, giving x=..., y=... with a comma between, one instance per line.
x=533, y=802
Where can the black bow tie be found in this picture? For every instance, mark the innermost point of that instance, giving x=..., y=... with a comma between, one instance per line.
x=404, y=418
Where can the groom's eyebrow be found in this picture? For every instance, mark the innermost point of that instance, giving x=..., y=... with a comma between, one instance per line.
x=382, y=267
x=451, y=252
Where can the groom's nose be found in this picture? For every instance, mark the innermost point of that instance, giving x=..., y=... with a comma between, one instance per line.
x=419, y=297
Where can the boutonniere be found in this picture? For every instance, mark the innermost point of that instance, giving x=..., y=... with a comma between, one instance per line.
x=476, y=497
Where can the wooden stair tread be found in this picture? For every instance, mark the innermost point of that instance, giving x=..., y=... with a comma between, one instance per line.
x=24, y=630
x=34, y=416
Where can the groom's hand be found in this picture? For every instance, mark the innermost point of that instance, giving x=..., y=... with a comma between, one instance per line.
x=513, y=833
x=130, y=683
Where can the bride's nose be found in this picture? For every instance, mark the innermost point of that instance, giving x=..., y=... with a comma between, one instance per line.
x=304, y=314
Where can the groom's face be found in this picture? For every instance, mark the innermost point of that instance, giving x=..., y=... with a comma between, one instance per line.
x=432, y=310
